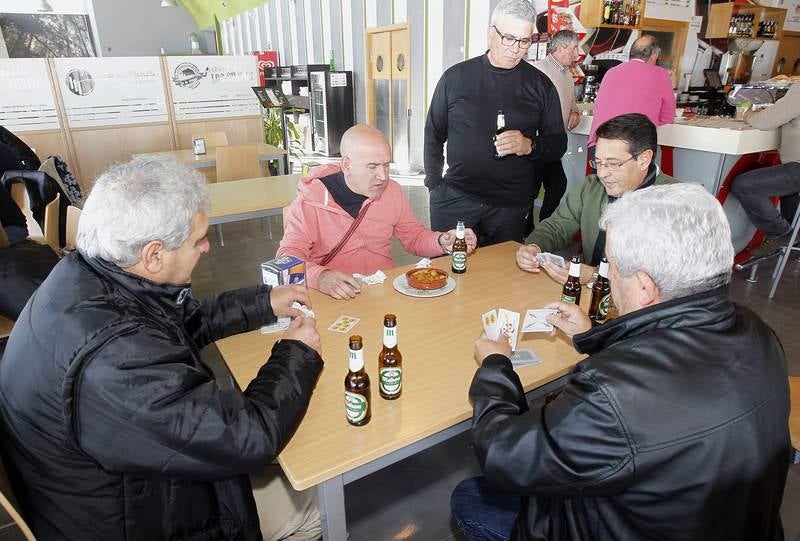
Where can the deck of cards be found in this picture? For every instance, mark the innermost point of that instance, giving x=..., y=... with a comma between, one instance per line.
x=547, y=257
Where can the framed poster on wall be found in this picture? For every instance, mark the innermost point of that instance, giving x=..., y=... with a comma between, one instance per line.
x=111, y=91
x=213, y=86
x=27, y=102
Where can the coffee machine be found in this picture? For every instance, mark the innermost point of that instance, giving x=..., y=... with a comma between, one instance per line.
x=740, y=60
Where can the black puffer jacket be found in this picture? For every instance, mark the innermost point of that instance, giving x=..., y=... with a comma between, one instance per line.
x=676, y=427
x=113, y=426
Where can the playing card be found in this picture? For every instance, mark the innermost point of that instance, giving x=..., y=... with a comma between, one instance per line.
x=508, y=322
x=308, y=312
x=344, y=323
x=524, y=357
x=490, y=324
x=536, y=320
x=281, y=325
x=547, y=257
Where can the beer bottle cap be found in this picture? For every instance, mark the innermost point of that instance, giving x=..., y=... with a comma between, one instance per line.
x=604, y=268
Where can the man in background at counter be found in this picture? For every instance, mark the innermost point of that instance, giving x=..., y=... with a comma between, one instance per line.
x=493, y=196
x=754, y=188
x=563, y=52
x=113, y=426
x=344, y=217
x=674, y=427
x=626, y=146
x=636, y=86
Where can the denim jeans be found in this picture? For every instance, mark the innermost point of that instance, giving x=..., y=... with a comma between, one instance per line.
x=484, y=513
x=754, y=188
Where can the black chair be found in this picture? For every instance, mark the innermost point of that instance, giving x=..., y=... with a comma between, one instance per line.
x=41, y=189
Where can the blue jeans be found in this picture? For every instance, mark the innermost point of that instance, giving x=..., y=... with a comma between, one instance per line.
x=754, y=188
x=484, y=513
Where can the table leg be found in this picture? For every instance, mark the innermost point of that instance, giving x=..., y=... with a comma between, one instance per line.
x=330, y=494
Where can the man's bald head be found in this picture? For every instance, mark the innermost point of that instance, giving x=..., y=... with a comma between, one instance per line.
x=360, y=138
x=645, y=48
x=366, y=156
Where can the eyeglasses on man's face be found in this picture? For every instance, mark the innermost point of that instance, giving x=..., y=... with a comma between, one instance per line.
x=509, y=41
x=611, y=165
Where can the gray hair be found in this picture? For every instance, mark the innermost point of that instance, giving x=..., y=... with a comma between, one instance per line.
x=131, y=204
x=519, y=9
x=644, y=47
x=562, y=38
x=677, y=234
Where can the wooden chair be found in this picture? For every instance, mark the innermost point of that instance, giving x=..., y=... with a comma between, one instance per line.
x=237, y=162
x=73, y=217
x=5, y=327
x=213, y=139
x=50, y=234
x=3, y=237
x=794, y=417
x=11, y=506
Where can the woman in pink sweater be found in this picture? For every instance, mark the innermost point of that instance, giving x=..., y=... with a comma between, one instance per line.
x=333, y=197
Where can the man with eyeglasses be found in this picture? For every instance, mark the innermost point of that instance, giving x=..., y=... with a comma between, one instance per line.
x=492, y=196
x=624, y=155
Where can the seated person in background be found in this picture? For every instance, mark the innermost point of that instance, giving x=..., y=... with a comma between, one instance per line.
x=113, y=427
x=754, y=188
x=674, y=427
x=344, y=217
x=626, y=146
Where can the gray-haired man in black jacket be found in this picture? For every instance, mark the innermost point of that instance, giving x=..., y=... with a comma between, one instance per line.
x=113, y=427
x=675, y=426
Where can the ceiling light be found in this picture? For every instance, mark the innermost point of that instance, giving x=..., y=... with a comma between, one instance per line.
x=44, y=5
x=168, y=3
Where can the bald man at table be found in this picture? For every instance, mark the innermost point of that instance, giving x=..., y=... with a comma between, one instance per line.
x=345, y=216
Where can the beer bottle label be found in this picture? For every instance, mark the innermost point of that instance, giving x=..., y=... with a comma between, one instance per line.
x=391, y=380
x=567, y=298
x=459, y=260
x=603, y=308
x=355, y=406
x=390, y=337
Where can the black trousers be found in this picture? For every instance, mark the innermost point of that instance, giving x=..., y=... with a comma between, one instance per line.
x=491, y=224
x=552, y=177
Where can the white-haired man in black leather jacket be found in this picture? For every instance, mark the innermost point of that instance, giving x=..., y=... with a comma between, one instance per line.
x=675, y=426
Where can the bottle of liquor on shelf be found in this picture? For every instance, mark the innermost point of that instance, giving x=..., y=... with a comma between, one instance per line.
x=356, y=385
x=601, y=293
x=390, y=361
x=501, y=127
x=637, y=16
x=572, y=288
x=606, y=11
x=459, y=257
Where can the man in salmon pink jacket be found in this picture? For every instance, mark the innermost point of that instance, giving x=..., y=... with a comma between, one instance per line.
x=344, y=217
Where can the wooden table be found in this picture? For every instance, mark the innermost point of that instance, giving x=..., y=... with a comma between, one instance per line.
x=209, y=159
x=247, y=199
x=436, y=337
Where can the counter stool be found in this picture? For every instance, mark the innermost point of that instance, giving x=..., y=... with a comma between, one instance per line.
x=787, y=252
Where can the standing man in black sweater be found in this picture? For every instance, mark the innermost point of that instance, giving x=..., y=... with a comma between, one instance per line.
x=492, y=196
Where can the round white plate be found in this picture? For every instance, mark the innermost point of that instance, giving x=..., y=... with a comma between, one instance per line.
x=401, y=284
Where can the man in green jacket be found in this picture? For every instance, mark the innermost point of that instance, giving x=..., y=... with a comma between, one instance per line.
x=626, y=146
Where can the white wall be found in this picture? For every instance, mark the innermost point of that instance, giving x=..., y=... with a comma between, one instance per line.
x=143, y=28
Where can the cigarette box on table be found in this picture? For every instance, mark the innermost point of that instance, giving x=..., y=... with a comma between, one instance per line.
x=283, y=270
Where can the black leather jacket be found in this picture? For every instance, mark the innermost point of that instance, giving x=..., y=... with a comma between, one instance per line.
x=675, y=427
x=113, y=428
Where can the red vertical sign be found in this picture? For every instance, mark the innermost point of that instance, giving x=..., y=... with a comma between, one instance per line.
x=266, y=59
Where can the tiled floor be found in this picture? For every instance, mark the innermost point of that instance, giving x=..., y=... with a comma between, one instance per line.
x=410, y=500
